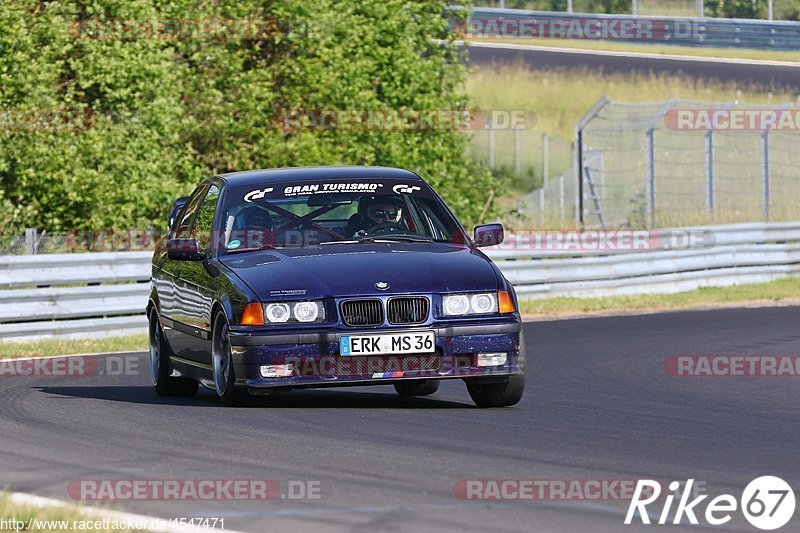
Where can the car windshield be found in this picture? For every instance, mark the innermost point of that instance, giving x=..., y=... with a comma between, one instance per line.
x=312, y=213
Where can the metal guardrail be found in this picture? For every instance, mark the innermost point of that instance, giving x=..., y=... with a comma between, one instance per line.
x=684, y=31
x=77, y=295
x=73, y=295
x=732, y=254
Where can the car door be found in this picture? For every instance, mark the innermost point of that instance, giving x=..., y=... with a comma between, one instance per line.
x=198, y=285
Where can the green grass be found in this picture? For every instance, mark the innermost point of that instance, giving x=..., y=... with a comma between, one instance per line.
x=784, y=290
x=559, y=98
x=661, y=49
x=70, y=514
x=73, y=346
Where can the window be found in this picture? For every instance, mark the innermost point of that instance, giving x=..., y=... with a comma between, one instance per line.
x=204, y=223
x=189, y=211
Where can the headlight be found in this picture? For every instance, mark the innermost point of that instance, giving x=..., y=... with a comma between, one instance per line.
x=306, y=311
x=470, y=304
x=456, y=304
x=278, y=313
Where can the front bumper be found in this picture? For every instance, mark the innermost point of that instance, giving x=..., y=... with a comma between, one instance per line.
x=317, y=362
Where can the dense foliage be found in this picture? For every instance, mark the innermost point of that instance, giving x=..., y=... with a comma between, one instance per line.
x=102, y=130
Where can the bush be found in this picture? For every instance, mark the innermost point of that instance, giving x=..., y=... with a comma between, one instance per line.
x=126, y=125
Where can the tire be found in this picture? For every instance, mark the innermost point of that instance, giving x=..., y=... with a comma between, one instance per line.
x=417, y=388
x=222, y=364
x=499, y=394
x=160, y=366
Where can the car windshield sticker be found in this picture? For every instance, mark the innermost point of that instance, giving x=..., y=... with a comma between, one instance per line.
x=405, y=189
x=326, y=188
x=234, y=244
x=257, y=194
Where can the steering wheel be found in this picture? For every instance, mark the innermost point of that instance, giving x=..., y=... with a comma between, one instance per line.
x=257, y=235
x=386, y=227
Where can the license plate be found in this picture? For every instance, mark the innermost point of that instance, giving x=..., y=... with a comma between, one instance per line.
x=388, y=344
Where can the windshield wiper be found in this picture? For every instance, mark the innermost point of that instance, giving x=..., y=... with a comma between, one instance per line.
x=398, y=238
x=257, y=249
x=382, y=238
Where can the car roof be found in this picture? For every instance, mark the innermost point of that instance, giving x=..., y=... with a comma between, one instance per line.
x=254, y=177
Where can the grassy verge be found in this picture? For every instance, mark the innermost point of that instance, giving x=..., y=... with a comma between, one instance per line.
x=615, y=46
x=72, y=346
x=48, y=519
x=560, y=97
x=784, y=291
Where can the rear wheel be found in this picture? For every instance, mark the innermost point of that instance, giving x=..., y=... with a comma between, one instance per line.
x=416, y=388
x=160, y=367
x=497, y=394
x=222, y=364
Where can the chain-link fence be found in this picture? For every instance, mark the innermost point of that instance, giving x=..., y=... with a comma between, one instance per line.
x=538, y=168
x=679, y=163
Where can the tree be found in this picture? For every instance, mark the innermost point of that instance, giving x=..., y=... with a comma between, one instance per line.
x=139, y=115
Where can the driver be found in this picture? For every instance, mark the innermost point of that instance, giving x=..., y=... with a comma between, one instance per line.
x=374, y=211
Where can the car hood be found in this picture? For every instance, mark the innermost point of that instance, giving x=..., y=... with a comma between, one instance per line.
x=353, y=270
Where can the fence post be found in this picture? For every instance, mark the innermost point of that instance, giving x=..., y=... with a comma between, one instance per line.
x=545, y=158
x=765, y=193
x=517, y=150
x=491, y=144
x=710, y=173
x=577, y=167
x=651, y=179
x=561, y=200
x=541, y=207
x=577, y=156
x=30, y=241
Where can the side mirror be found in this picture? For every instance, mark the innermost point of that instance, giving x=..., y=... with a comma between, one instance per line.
x=489, y=235
x=184, y=250
x=177, y=205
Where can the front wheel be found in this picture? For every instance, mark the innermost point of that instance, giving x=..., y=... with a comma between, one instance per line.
x=416, y=388
x=497, y=394
x=222, y=364
x=160, y=368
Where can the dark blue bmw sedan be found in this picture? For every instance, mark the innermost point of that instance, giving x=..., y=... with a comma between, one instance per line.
x=271, y=280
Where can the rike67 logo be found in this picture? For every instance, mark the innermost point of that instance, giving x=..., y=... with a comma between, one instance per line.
x=767, y=502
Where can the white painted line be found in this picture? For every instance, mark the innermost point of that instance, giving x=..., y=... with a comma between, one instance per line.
x=160, y=525
x=641, y=55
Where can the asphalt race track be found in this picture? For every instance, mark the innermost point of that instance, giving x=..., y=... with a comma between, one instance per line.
x=599, y=405
x=765, y=73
